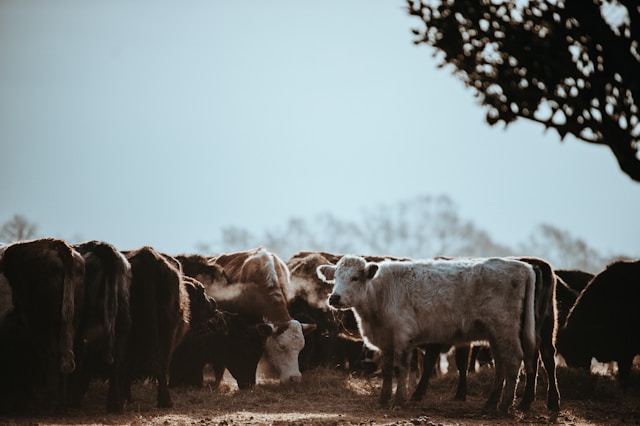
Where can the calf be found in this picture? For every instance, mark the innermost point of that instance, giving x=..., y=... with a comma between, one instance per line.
x=604, y=323
x=403, y=304
x=104, y=322
x=159, y=306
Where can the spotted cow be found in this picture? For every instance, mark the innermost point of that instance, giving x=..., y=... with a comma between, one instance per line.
x=257, y=280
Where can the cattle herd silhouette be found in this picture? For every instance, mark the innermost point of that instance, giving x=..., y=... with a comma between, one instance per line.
x=71, y=315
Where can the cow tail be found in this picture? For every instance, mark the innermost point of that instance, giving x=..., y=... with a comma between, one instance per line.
x=113, y=282
x=72, y=284
x=529, y=324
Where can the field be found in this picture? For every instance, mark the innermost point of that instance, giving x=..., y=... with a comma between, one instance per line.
x=327, y=397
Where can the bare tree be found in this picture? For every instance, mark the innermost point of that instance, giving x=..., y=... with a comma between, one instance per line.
x=563, y=250
x=572, y=65
x=17, y=229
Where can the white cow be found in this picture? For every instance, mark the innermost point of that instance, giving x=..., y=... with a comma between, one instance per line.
x=403, y=304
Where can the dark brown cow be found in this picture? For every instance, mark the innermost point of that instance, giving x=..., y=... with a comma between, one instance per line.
x=198, y=267
x=159, y=305
x=36, y=348
x=256, y=291
x=604, y=323
x=219, y=338
x=105, y=322
x=238, y=349
x=546, y=330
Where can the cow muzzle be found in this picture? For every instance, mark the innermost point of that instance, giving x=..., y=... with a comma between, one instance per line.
x=334, y=300
x=296, y=379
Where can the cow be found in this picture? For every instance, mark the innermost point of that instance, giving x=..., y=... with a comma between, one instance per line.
x=159, y=307
x=401, y=304
x=198, y=267
x=37, y=332
x=218, y=338
x=604, y=322
x=307, y=302
x=575, y=278
x=570, y=282
x=257, y=280
x=104, y=323
x=6, y=304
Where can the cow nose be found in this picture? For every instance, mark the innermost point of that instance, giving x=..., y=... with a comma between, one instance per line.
x=334, y=299
x=296, y=379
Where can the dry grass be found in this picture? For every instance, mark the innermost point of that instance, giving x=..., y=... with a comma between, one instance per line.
x=328, y=397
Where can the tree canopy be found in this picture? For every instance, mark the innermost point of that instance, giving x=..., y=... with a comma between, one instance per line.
x=572, y=65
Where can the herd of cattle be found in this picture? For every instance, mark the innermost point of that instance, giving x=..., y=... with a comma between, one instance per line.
x=71, y=314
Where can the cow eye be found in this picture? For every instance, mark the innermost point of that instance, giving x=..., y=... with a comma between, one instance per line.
x=281, y=347
x=354, y=279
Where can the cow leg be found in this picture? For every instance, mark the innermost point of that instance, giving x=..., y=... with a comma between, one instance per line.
x=499, y=376
x=462, y=362
x=624, y=371
x=531, y=369
x=431, y=356
x=401, y=363
x=164, y=397
x=387, y=376
x=511, y=361
x=548, y=354
x=116, y=380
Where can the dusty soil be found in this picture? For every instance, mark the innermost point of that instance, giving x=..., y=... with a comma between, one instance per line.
x=327, y=397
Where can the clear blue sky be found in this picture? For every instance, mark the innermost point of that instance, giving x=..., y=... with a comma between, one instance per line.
x=159, y=123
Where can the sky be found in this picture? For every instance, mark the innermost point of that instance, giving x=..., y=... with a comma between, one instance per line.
x=152, y=122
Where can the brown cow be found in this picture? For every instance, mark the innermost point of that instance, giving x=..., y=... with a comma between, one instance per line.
x=46, y=279
x=256, y=290
x=159, y=305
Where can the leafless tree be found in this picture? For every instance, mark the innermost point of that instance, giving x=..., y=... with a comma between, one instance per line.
x=17, y=229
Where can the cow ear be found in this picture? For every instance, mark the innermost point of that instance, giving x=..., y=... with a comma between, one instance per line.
x=370, y=270
x=308, y=328
x=326, y=272
x=265, y=329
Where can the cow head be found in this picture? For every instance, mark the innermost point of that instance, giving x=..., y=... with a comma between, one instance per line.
x=573, y=345
x=283, y=345
x=350, y=276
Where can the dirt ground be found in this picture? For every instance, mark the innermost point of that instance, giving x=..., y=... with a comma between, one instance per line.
x=327, y=397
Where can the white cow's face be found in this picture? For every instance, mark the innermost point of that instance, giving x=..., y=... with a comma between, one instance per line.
x=350, y=275
x=283, y=345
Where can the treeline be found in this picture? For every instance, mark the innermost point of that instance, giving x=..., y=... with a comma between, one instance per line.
x=422, y=227
x=418, y=228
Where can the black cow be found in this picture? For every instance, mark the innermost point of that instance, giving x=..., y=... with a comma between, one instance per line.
x=218, y=338
x=104, y=324
x=226, y=341
x=570, y=282
x=604, y=323
x=159, y=306
x=37, y=332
